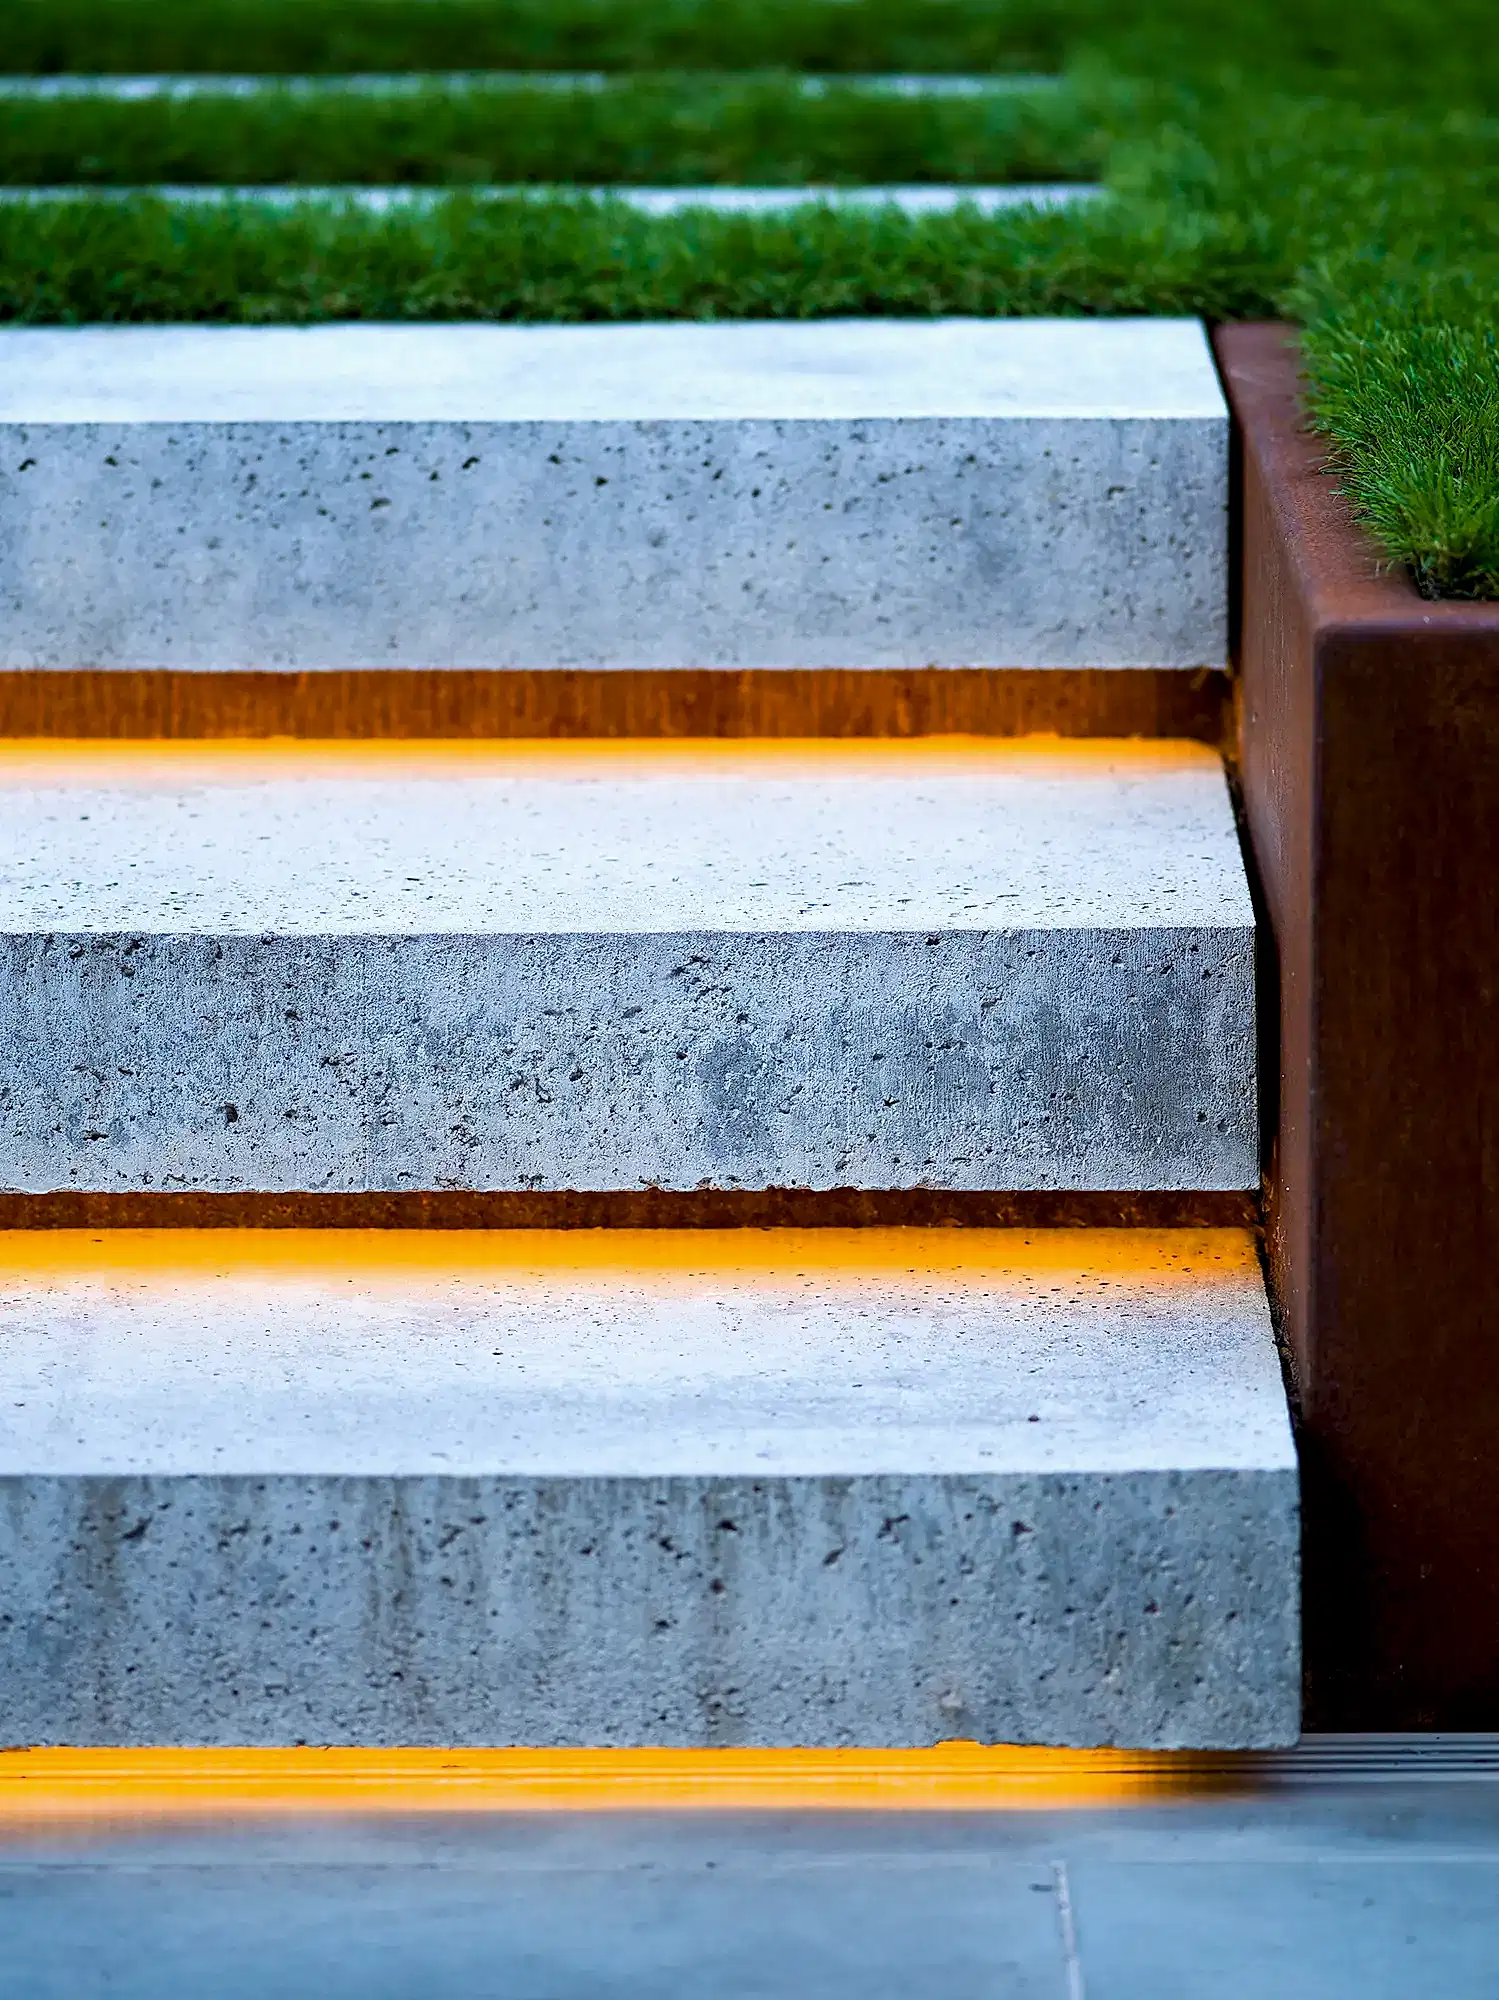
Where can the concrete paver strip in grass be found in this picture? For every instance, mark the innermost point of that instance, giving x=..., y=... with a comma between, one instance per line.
x=916, y=199
x=142, y=89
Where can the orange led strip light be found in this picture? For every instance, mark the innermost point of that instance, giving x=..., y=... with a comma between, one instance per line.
x=47, y=1785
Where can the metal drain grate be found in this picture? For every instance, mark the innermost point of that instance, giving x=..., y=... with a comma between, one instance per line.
x=1438, y=1758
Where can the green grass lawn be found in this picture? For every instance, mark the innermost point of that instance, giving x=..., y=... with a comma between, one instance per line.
x=1337, y=165
x=330, y=36
x=1392, y=51
x=663, y=131
x=1406, y=387
x=566, y=259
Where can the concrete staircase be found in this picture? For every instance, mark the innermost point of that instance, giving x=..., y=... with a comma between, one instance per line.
x=682, y=1485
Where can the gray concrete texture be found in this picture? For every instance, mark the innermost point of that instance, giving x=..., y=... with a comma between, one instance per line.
x=830, y=1488
x=996, y=969
x=843, y=493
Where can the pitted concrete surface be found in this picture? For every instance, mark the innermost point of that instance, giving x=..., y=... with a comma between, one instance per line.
x=827, y=1487
x=838, y=493
x=1000, y=969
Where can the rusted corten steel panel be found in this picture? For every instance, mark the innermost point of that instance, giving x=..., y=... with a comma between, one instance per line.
x=440, y=702
x=1369, y=745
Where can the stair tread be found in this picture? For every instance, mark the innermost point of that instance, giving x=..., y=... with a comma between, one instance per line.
x=824, y=371
x=553, y=839
x=638, y=1354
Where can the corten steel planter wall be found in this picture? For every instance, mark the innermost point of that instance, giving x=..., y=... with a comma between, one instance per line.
x=1369, y=745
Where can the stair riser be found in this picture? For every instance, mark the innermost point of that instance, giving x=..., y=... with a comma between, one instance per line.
x=1148, y=1609
x=669, y=544
x=1092, y=1058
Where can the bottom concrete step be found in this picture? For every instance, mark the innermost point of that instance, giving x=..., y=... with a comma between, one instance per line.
x=877, y=1487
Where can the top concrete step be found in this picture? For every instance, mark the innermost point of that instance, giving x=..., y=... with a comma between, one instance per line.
x=884, y=493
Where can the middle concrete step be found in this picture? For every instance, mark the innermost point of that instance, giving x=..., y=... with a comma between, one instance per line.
x=976, y=966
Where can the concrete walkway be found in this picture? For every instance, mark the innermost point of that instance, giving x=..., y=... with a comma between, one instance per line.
x=1312, y=1885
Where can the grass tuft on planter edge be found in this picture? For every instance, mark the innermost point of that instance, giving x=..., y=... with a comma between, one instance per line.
x=1403, y=381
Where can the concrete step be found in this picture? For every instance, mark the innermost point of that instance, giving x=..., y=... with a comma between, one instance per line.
x=821, y=1488
x=977, y=966
x=857, y=494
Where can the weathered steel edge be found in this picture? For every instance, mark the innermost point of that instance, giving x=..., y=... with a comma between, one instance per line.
x=624, y=702
x=638, y=1208
x=1369, y=747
